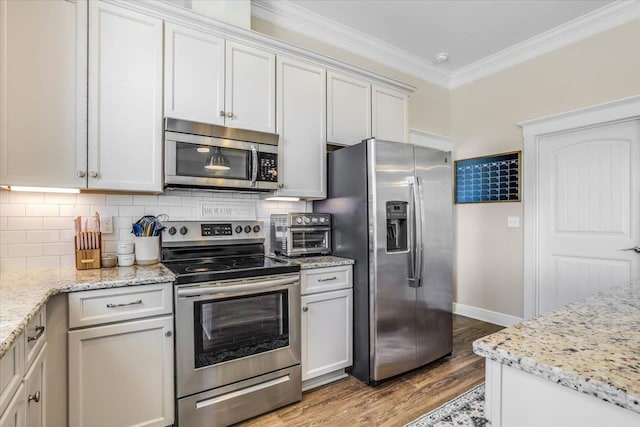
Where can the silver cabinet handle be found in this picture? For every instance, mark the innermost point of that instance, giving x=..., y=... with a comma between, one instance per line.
x=35, y=397
x=305, y=308
x=636, y=249
x=230, y=114
x=222, y=114
x=328, y=279
x=93, y=174
x=168, y=334
x=125, y=304
x=81, y=174
x=280, y=185
x=40, y=331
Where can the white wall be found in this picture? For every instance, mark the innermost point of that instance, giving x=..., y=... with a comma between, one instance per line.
x=36, y=229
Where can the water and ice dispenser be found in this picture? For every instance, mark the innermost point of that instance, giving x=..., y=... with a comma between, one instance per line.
x=397, y=227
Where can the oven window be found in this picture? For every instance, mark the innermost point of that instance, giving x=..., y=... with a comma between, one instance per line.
x=309, y=239
x=212, y=162
x=232, y=328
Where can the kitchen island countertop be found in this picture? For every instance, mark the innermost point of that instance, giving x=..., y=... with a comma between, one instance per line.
x=320, y=261
x=591, y=346
x=23, y=293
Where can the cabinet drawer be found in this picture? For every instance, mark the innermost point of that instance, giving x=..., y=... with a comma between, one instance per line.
x=117, y=304
x=325, y=279
x=11, y=371
x=35, y=336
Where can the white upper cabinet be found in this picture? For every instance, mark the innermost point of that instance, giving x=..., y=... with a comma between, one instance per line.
x=348, y=109
x=207, y=82
x=390, y=114
x=43, y=93
x=301, y=102
x=193, y=75
x=125, y=99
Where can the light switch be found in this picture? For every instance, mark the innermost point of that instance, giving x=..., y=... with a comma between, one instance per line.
x=513, y=221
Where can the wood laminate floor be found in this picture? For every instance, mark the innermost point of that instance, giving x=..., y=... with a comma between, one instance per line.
x=349, y=402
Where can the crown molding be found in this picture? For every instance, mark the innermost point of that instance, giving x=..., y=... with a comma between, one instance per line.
x=597, y=21
x=295, y=18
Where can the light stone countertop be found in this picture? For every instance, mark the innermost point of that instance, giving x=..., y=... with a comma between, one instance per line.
x=320, y=261
x=591, y=346
x=23, y=293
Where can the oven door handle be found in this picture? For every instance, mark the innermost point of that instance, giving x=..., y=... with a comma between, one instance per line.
x=212, y=290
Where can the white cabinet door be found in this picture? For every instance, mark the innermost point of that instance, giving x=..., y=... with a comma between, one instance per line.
x=348, y=109
x=193, y=75
x=122, y=374
x=301, y=105
x=43, y=71
x=125, y=99
x=15, y=414
x=390, y=114
x=251, y=88
x=35, y=388
x=326, y=332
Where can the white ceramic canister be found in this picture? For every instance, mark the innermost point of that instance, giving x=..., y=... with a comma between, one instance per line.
x=126, y=260
x=147, y=250
x=124, y=247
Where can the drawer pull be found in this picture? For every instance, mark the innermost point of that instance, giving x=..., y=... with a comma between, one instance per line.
x=35, y=397
x=328, y=279
x=40, y=331
x=125, y=304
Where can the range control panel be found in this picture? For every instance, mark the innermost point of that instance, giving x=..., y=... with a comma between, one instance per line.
x=211, y=231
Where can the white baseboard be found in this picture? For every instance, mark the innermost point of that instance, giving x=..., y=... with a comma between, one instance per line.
x=485, y=315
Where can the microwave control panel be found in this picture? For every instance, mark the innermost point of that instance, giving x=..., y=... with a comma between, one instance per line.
x=268, y=167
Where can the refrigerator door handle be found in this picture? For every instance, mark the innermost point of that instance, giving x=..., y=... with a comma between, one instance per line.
x=418, y=231
x=414, y=278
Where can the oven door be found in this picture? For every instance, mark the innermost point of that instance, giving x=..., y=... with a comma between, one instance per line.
x=237, y=329
x=309, y=240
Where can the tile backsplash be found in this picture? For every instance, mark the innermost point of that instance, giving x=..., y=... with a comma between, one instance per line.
x=36, y=229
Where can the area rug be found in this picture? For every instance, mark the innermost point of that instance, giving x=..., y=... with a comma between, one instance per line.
x=465, y=410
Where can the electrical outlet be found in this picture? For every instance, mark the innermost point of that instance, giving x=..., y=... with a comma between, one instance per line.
x=106, y=224
x=513, y=221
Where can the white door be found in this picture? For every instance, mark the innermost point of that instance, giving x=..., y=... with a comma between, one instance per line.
x=588, y=212
x=301, y=101
x=193, y=75
x=125, y=99
x=348, y=109
x=35, y=385
x=251, y=88
x=43, y=96
x=389, y=114
x=15, y=414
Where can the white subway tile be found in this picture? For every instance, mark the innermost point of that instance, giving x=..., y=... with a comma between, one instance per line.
x=66, y=248
x=179, y=213
x=24, y=223
x=119, y=199
x=34, y=263
x=60, y=199
x=25, y=197
x=123, y=221
x=104, y=210
x=13, y=237
x=110, y=237
x=66, y=235
x=68, y=261
x=91, y=199
x=42, y=210
x=190, y=201
x=170, y=200
x=157, y=210
x=4, y=251
x=145, y=200
x=58, y=223
x=25, y=250
x=182, y=193
x=3, y=222
x=42, y=236
x=13, y=264
x=13, y=209
x=131, y=211
x=4, y=196
x=125, y=234
x=75, y=210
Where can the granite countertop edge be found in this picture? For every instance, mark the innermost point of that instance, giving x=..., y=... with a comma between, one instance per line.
x=311, y=262
x=18, y=328
x=602, y=391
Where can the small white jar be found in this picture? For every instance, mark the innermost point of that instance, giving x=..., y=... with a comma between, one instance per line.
x=124, y=247
x=126, y=260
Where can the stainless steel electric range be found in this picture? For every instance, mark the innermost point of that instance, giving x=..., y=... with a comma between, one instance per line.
x=237, y=316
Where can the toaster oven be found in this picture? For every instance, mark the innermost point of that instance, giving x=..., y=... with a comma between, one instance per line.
x=296, y=234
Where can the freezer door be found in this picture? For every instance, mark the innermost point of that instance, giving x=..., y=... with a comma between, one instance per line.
x=434, y=333
x=392, y=298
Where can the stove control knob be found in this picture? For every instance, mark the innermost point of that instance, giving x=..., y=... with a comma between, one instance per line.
x=299, y=220
x=256, y=228
x=172, y=230
x=183, y=230
x=307, y=220
x=322, y=220
x=247, y=229
x=314, y=220
x=238, y=229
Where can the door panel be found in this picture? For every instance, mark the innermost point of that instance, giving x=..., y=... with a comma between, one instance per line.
x=392, y=300
x=434, y=328
x=588, y=212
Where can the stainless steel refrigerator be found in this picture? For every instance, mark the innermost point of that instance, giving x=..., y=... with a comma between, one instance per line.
x=392, y=212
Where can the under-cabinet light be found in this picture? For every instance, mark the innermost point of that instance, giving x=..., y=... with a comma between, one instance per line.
x=283, y=199
x=41, y=189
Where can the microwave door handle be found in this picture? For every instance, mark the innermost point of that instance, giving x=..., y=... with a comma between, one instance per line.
x=254, y=166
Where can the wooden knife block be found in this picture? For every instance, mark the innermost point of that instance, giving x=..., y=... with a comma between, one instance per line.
x=87, y=259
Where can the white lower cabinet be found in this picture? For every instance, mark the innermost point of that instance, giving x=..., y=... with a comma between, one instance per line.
x=15, y=414
x=327, y=325
x=35, y=387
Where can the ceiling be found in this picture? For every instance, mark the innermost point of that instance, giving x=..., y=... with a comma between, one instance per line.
x=467, y=30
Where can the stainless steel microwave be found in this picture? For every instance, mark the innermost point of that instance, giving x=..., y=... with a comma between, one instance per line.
x=201, y=155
